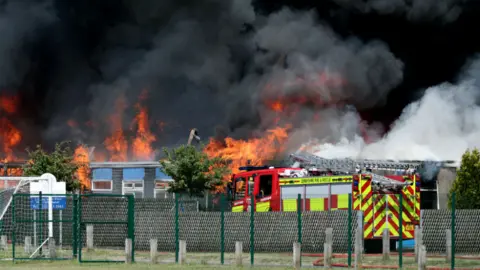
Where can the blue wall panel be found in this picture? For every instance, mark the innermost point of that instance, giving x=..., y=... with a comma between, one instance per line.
x=133, y=173
x=102, y=173
x=161, y=175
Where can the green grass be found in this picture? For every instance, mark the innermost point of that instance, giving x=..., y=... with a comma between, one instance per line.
x=204, y=261
x=68, y=265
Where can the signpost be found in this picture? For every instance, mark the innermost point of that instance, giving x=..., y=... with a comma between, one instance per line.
x=49, y=202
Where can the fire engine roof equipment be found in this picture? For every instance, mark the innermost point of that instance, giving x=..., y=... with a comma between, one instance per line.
x=379, y=182
x=347, y=164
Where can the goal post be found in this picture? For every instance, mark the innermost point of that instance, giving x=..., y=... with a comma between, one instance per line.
x=35, y=205
x=13, y=185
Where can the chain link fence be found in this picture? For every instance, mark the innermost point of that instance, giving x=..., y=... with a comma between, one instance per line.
x=267, y=237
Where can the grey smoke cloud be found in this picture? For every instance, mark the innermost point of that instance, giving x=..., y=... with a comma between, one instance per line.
x=331, y=69
x=18, y=22
x=414, y=10
x=199, y=65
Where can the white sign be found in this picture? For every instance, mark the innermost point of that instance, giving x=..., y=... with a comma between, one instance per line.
x=49, y=187
x=58, y=202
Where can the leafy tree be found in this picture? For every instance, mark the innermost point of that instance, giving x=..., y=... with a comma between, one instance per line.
x=59, y=163
x=467, y=184
x=193, y=171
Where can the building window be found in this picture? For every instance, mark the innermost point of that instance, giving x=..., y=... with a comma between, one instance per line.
x=134, y=187
x=161, y=189
x=101, y=185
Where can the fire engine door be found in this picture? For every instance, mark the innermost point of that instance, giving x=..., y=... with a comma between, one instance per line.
x=380, y=214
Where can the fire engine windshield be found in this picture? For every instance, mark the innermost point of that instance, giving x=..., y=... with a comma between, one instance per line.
x=265, y=185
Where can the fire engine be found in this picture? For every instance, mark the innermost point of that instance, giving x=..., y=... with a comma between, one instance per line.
x=326, y=184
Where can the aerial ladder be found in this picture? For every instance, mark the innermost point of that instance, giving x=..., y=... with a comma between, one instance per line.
x=347, y=165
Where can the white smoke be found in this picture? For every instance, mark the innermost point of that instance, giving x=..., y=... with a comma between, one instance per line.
x=440, y=126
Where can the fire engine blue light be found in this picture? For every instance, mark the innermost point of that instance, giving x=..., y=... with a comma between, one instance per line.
x=251, y=168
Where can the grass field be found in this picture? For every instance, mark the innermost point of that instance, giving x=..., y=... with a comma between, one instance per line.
x=74, y=266
x=166, y=260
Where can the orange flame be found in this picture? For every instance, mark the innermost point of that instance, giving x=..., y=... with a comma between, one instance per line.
x=11, y=137
x=118, y=147
x=256, y=151
x=141, y=147
x=11, y=172
x=9, y=134
x=9, y=104
x=117, y=144
x=277, y=106
x=82, y=159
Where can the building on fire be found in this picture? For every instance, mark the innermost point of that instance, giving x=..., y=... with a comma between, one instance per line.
x=143, y=179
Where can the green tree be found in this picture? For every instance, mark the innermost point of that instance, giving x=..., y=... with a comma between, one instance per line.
x=59, y=163
x=193, y=171
x=467, y=184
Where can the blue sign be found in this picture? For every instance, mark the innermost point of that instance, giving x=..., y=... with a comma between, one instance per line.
x=58, y=203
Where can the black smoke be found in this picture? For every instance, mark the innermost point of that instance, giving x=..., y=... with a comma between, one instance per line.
x=206, y=63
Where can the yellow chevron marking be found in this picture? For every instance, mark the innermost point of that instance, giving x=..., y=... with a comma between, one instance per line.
x=368, y=227
x=408, y=235
x=379, y=216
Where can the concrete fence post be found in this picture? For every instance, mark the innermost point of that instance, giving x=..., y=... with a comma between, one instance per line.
x=448, y=237
x=329, y=236
x=128, y=250
x=386, y=244
x=422, y=257
x=52, y=248
x=238, y=253
x=89, y=237
x=3, y=242
x=358, y=248
x=328, y=248
x=418, y=241
x=153, y=250
x=28, y=244
x=182, y=256
x=297, y=255
x=327, y=255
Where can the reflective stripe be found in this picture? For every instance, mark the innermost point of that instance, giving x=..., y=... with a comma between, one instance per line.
x=380, y=209
x=316, y=180
x=417, y=198
x=317, y=204
x=290, y=205
x=263, y=206
x=342, y=201
x=238, y=208
x=365, y=188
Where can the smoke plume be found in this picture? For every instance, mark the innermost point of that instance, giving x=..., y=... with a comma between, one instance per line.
x=440, y=126
x=239, y=67
x=415, y=10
